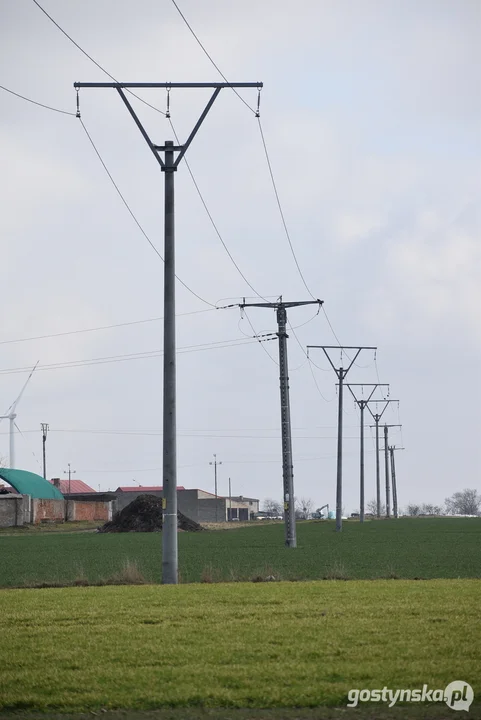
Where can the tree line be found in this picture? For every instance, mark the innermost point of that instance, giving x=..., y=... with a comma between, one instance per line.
x=463, y=502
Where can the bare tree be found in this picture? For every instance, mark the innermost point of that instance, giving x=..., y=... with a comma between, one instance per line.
x=273, y=507
x=413, y=510
x=371, y=507
x=429, y=509
x=465, y=502
x=303, y=508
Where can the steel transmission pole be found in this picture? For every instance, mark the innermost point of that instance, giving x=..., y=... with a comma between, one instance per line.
x=168, y=165
x=341, y=374
x=287, y=462
x=362, y=404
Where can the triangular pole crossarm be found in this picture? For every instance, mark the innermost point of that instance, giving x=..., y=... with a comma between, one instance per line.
x=379, y=415
x=362, y=403
x=324, y=348
x=341, y=373
x=155, y=149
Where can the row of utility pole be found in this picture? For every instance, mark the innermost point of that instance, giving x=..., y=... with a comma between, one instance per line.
x=165, y=156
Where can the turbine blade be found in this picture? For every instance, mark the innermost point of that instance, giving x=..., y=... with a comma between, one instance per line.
x=12, y=407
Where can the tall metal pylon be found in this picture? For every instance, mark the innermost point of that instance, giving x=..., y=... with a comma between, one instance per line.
x=362, y=404
x=287, y=463
x=168, y=165
x=341, y=374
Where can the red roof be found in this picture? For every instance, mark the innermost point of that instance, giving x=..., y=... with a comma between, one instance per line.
x=75, y=486
x=144, y=488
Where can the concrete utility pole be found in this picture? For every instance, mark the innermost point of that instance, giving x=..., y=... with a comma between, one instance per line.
x=215, y=463
x=386, y=473
x=377, y=416
x=169, y=165
x=341, y=374
x=287, y=463
x=392, y=449
x=386, y=468
x=362, y=404
x=45, y=429
x=70, y=473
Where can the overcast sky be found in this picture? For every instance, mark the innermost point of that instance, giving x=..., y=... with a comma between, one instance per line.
x=371, y=111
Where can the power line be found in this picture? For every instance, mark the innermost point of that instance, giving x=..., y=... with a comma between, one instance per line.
x=214, y=225
x=201, y=464
x=315, y=382
x=92, y=59
x=262, y=346
x=274, y=184
x=130, y=356
x=134, y=217
x=173, y=129
x=281, y=212
x=102, y=327
x=200, y=432
x=34, y=102
x=217, y=231
x=210, y=57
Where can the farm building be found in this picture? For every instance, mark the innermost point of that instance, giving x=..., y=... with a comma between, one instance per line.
x=29, y=498
x=198, y=505
x=82, y=502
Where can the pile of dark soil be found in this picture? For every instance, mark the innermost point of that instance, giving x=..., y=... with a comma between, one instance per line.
x=144, y=514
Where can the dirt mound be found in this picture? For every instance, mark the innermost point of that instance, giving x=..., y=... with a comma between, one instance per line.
x=144, y=514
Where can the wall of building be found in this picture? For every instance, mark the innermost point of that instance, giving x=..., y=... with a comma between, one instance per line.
x=20, y=509
x=92, y=511
x=188, y=504
x=125, y=498
x=198, y=505
x=212, y=510
x=47, y=510
x=14, y=510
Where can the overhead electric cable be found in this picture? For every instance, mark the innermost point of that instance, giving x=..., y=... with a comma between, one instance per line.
x=214, y=225
x=34, y=102
x=210, y=57
x=92, y=59
x=134, y=217
x=132, y=356
x=103, y=327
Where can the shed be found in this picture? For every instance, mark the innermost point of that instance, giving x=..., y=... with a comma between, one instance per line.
x=28, y=483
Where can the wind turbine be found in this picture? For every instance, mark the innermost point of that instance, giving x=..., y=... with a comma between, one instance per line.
x=11, y=415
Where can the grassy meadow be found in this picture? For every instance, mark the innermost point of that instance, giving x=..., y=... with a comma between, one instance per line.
x=407, y=548
x=266, y=645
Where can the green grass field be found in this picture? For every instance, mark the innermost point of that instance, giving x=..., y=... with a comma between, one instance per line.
x=234, y=645
x=406, y=548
